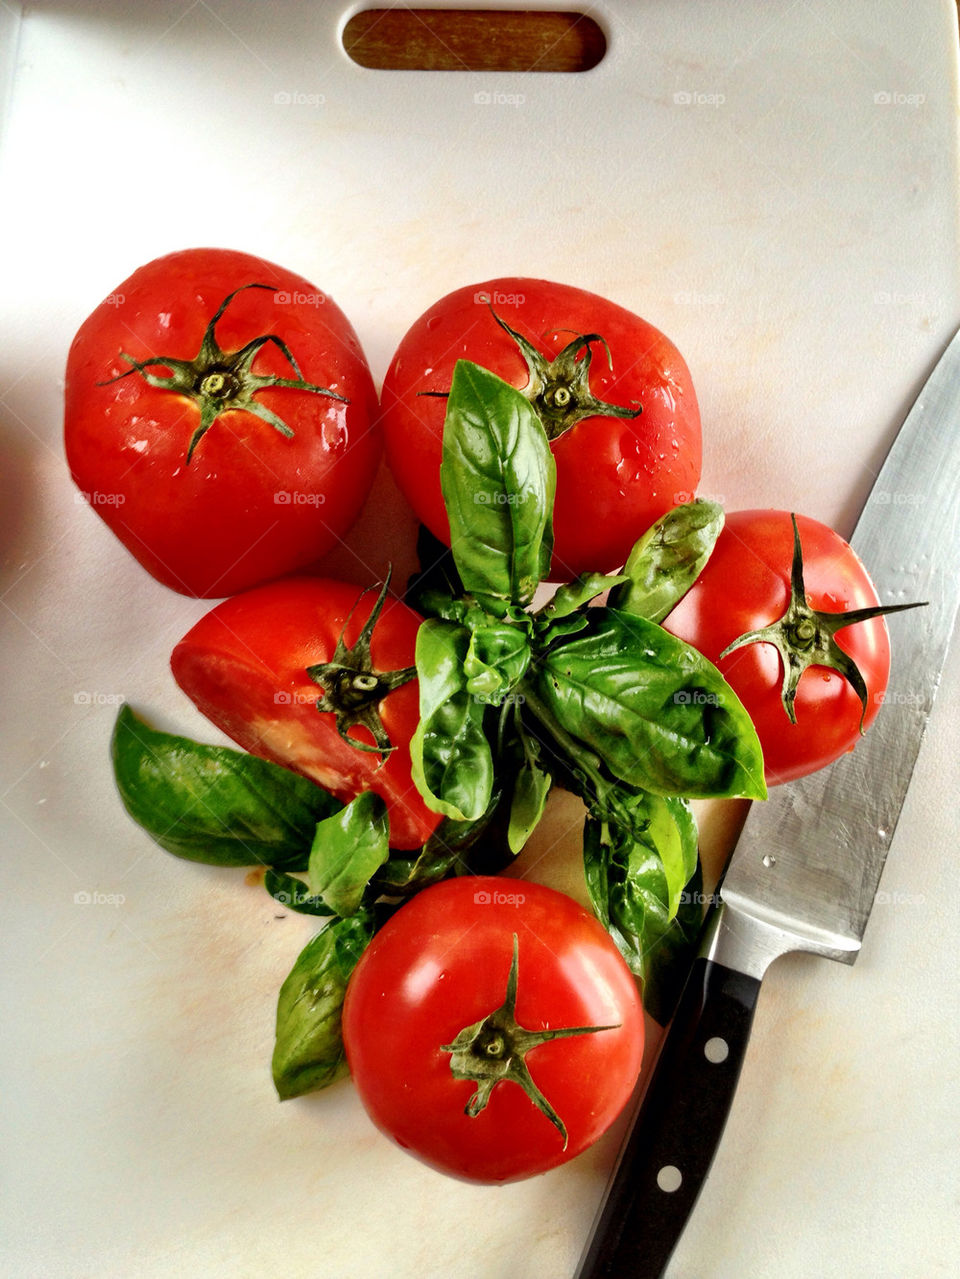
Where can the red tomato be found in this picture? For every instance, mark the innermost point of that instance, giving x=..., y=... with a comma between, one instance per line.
x=745, y=587
x=425, y=989
x=250, y=665
x=219, y=417
x=615, y=474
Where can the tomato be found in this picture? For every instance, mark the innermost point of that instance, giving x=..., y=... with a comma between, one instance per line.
x=613, y=392
x=744, y=588
x=220, y=417
x=314, y=675
x=555, y=1025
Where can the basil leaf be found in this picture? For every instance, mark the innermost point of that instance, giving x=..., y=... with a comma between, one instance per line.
x=308, y=1052
x=348, y=848
x=628, y=890
x=498, y=478
x=530, y=793
x=452, y=766
x=292, y=892
x=659, y=715
x=497, y=657
x=668, y=559
x=573, y=595
x=667, y=827
x=671, y=953
x=673, y=833
x=213, y=804
x=558, y=630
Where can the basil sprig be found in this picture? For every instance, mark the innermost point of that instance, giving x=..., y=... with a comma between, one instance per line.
x=595, y=697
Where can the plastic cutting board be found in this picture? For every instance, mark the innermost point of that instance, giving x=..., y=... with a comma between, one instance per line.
x=772, y=184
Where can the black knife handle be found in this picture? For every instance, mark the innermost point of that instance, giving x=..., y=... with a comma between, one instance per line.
x=665, y=1159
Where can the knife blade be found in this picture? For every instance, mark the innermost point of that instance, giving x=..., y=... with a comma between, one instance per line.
x=806, y=868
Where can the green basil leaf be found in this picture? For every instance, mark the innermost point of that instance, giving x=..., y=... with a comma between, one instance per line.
x=452, y=766
x=498, y=478
x=629, y=892
x=659, y=715
x=497, y=657
x=348, y=849
x=308, y=1053
x=557, y=631
x=671, y=953
x=666, y=826
x=293, y=893
x=573, y=595
x=668, y=559
x=213, y=804
x=530, y=792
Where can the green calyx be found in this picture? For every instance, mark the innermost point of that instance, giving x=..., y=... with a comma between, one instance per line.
x=804, y=636
x=559, y=389
x=219, y=381
x=494, y=1050
x=352, y=690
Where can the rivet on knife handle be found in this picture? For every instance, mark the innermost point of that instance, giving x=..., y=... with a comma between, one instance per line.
x=665, y=1159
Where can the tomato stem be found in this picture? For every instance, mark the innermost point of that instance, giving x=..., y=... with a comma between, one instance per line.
x=352, y=689
x=559, y=389
x=804, y=636
x=494, y=1050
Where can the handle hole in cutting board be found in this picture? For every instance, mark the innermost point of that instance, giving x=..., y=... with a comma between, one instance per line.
x=473, y=40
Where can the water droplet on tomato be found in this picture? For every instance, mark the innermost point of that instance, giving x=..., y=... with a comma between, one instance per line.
x=631, y=464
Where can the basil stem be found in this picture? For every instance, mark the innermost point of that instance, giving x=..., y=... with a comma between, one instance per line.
x=446, y=850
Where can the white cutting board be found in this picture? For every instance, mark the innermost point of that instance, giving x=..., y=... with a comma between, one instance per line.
x=775, y=186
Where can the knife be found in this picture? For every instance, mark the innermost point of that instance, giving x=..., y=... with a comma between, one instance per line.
x=806, y=868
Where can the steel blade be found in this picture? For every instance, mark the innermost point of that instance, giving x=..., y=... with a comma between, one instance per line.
x=809, y=859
